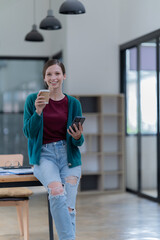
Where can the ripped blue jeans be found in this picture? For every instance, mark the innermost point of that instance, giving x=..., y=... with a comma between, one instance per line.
x=62, y=184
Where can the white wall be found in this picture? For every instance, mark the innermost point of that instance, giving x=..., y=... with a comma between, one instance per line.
x=138, y=18
x=89, y=41
x=93, y=41
x=92, y=49
x=16, y=20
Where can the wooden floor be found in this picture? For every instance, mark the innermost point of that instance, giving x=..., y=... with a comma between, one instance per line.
x=99, y=217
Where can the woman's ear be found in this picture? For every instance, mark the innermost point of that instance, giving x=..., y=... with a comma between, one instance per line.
x=64, y=76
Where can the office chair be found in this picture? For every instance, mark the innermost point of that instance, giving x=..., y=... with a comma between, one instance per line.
x=18, y=196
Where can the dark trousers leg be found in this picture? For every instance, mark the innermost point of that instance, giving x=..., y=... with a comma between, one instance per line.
x=51, y=233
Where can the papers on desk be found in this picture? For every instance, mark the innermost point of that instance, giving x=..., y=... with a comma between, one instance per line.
x=4, y=173
x=17, y=171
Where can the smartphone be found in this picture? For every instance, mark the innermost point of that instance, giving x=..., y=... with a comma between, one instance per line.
x=76, y=121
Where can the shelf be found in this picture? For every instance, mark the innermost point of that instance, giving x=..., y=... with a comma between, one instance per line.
x=91, y=192
x=112, y=115
x=91, y=134
x=91, y=114
x=112, y=163
x=112, y=172
x=89, y=182
x=119, y=95
x=89, y=104
x=113, y=134
x=112, y=153
x=91, y=173
x=103, y=150
x=91, y=124
x=91, y=153
x=91, y=162
x=112, y=181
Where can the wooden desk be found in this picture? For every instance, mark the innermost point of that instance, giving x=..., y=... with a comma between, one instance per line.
x=7, y=179
x=23, y=181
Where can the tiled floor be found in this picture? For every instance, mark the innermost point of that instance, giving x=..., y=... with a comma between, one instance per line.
x=99, y=217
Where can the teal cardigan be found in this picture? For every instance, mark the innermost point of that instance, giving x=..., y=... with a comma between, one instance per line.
x=33, y=130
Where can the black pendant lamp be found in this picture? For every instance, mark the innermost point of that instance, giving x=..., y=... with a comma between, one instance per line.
x=50, y=22
x=34, y=35
x=72, y=7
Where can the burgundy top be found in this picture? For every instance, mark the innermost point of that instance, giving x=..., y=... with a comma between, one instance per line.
x=55, y=115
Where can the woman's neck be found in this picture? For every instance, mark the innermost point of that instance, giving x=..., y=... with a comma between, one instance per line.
x=56, y=95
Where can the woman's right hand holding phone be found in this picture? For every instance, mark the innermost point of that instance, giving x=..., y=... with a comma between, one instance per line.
x=40, y=104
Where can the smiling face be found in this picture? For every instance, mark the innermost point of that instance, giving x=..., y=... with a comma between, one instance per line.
x=54, y=77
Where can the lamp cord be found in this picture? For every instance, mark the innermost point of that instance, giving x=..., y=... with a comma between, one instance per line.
x=34, y=11
x=50, y=4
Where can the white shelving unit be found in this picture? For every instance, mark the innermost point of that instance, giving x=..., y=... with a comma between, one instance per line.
x=103, y=150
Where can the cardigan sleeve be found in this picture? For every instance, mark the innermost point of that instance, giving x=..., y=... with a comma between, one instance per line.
x=32, y=121
x=78, y=142
x=78, y=112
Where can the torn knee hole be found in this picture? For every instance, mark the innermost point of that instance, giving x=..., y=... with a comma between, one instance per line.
x=72, y=180
x=56, y=189
x=70, y=209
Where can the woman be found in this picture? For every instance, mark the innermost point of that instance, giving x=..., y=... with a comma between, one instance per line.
x=53, y=146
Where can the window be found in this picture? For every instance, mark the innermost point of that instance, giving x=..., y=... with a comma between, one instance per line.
x=18, y=78
x=131, y=90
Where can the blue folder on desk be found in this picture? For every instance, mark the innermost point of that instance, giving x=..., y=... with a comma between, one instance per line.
x=16, y=171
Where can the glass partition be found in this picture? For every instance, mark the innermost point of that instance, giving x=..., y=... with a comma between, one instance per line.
x=140, y=82
x=131, y=118
x=18, y=78
x=148, y=117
